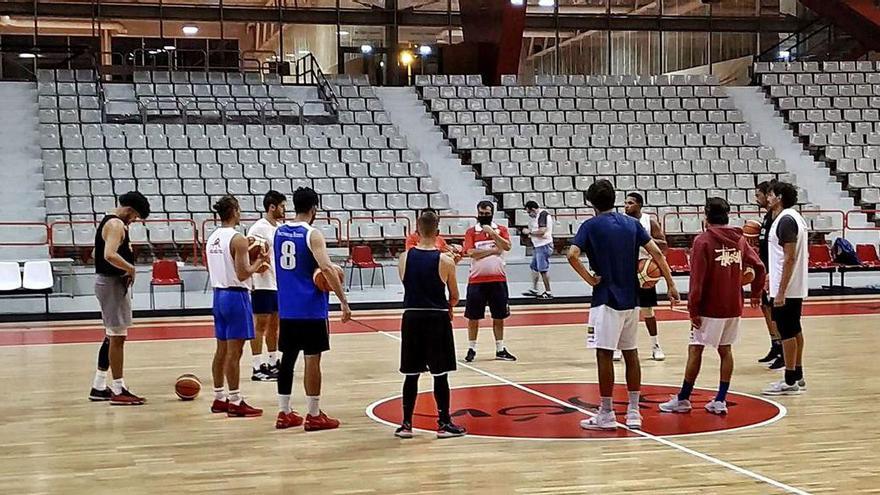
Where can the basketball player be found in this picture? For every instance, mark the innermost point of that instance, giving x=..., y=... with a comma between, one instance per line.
x=426, y=330
x=300, y=249
x=715, y=301
x=114, y=278
x=230, y=270
x=774, y=355
x=541, y=233
x=647, y=297
x=485, y=243
x=265, y=294
x=412, y=240
x=789, y=280
x=611, y=241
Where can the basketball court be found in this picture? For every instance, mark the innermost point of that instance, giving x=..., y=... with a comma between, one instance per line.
x=522, y=417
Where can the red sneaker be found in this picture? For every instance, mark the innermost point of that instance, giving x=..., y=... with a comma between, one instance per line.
x=243, y=411
x=320, y=422
x=126, y=398
x=288, y=420
x=219, y=406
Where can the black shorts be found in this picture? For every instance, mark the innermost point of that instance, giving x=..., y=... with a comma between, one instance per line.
x=426, y=343
x=264, y=302
x=765, y=300
x=493, y=294
x=309, y=336
x=648, y=297
x=788, y=317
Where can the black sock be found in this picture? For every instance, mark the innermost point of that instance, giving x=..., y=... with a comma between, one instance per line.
x=799, y=371
x=441, y=395
x=776, y=344
x=285, y=373
x=790, y=377
x=410, y=392
x=104, y=355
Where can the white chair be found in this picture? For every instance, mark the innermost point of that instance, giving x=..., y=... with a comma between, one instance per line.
x=38, y=275
x=10, y=276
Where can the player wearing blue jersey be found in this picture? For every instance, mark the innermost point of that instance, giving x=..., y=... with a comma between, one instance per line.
x=300, y=249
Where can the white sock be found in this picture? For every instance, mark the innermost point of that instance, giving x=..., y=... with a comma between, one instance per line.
x=312, y=401
x=235, y=397
x=219, y=393
x=633, y=401
x=284, y=403
x=117, y=385
x=472, y=345
x=655, y=340
x=605, y=404
x=499, y=345
x=273, y=357
x=257, y=361
x=100, y=381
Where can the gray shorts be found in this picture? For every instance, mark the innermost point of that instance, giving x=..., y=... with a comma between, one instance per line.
x=115, y=301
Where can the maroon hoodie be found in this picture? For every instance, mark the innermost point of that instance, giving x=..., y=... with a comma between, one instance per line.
x=718, y=257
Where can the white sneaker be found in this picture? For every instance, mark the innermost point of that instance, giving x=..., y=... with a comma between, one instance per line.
x=657, y=353
x=802, y=384
x=634, y=419
x=782, y=388
x=618, y=356
x=601, y=421
x=717, y=407
x=675, y=405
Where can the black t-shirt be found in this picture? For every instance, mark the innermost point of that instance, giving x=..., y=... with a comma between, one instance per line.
x=787, y=230
x=764, y=238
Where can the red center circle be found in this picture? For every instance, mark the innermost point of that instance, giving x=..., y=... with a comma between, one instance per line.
x=511, y=412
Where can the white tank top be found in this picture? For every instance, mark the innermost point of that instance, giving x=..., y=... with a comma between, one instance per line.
x=221, y=266
x=645, y=220
x=798, y=286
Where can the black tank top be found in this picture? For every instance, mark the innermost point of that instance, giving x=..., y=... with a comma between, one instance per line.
x=422, y=286
x=102, y=266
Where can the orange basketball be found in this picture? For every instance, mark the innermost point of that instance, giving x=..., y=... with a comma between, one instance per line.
x=187, y=386
x=752, y=228
x=321, y=281
x=258, y=246
x=748, y=276
x=649, y=273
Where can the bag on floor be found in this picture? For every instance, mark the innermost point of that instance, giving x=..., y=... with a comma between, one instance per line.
x=844, y=253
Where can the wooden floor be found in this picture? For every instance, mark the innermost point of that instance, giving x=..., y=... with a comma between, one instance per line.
x=55, y=441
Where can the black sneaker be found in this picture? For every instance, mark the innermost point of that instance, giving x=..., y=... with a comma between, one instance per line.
x=546, y=296
x=531, y=293
x=450, y=430
x=405, y=431
x=471, y=354
x=772, y=354
x=270, y=371
x=503, y=355
x=778, y=364
x=96, y=395
x=260, y=376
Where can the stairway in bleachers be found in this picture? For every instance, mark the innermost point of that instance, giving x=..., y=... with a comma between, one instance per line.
x=21, y=189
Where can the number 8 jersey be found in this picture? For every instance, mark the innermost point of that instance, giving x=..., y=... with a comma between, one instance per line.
x=298, y=298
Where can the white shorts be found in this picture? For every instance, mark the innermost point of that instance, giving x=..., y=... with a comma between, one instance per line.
x=612, y=329
x=716, y=332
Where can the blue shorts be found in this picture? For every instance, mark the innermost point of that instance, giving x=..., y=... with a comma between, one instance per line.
x=233, y=315
x=541, y=258
x=265, y=301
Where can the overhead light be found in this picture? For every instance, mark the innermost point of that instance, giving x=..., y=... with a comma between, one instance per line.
x=169, y=48
x=343, y=33
x=516, y=2
x=365, y=49
x=784, y=54
x=27, y=55
x=382, y=64
x=425, y=50
x=190, y=29
x=406, y=57
x=304, y=52
x=546, y=3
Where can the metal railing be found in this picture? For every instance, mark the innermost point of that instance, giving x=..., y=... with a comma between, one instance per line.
x=18, y=225
x=53, y=243
x=307, y=70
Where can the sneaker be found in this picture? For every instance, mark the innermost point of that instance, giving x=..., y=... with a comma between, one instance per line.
x=242, y=411
x=618, y=356
x=778, y=364
x=270, y=371
x=531, y=293
x=469, y=357
x=657, y=354
x=546, y=296
x=320, y=422
x=634, y=419
x=259, y=375
x=287, y=420
x=405, y=431
x=772, y=354
x=96, y=395
x=675, y=405
x=503, y=355
x=717, y=407
x=782, y=388
x=450, y=430
x=802, y=385
x=219, y=406
x=601, y=421
x=126, y=398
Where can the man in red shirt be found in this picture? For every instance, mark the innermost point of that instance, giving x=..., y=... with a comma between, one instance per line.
x=412, y=240
x=486, y=243
x=715, y=301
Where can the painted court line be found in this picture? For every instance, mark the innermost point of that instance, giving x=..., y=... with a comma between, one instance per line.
x=663, y=441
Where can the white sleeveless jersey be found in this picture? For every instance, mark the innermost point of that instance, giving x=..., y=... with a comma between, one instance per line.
x=798, y=286
x=645, y=220
x=221, y=265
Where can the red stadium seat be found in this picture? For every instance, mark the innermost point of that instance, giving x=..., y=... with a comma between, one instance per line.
x=678, y=260
x=867, y=254
x=165, y=274
x=820, y=257
x=362, y=257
